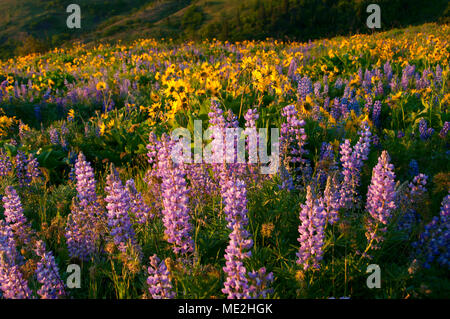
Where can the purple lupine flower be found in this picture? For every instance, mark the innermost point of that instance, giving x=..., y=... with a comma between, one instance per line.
x=434, y=242
x=443, y=133
x=12, y=282
x=376, y=113
x=235, y=200
x=14, y=216
x=380, y=200
x=20, y=162
x=408, y=200
x=338, y=83
x=287, y=182
x=119, y=223
x=348, y=164
x=32, y=169
x=417, y=186
x=407, y=74
x=400, y=134
x=5, y=164
x=312, y=222
x=331, y=200
x=362, y=147
x=260, y=283
x=326, y=163
x=252, y=145
x=175, y=199
x=424, y=130
x=379, y=90
x=317, y=87
x=292, y=68
x=352, y=163
x=158, y=281
x=140, y=211
x=304, y=87
x=344, y=108
x=83, y=229
x=326, y=103
x=47, y=274
x=292, y=140
x=336, y=109
x=387, y=71
x=251, y=117
x=369, y=104
x=54, y=136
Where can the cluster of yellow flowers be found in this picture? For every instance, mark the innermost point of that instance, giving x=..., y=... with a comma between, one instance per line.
x=179, y=75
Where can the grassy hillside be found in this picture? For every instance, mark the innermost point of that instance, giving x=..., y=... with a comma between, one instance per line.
x=37, y=25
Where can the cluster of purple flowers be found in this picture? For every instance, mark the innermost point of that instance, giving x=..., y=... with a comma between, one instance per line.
x=13, y=285
x=83, y=229
x=175, y=196
x=408, y=200
x=5, y=164
x=407, y=75
x=14, y=216
x=47, y=274
x=444, y=131
x=292, y=141
x=159, y=285
x=224, y=156
x=54, y=136
x=326, y=164
x=304, y=87
x=292, y=135
x=352, y=163
x=376, y=113
x=57, y=138
x=260, y=283
x=434, y=241
x=140, y=211
x=380, y=200
x=118, y=219
x=235, y=199
x=313, y=218
x=331, y=199
x=27, y=169
x=424, y=130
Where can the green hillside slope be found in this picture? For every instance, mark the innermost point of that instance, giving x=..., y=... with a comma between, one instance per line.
x=36, y=25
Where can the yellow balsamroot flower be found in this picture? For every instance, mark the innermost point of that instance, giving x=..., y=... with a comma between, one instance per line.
x=71, y=115
x=110, y=123
x=154, y=97
x=397, y=96
x=102, y=127
x=101, y=86
x=5, y=124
